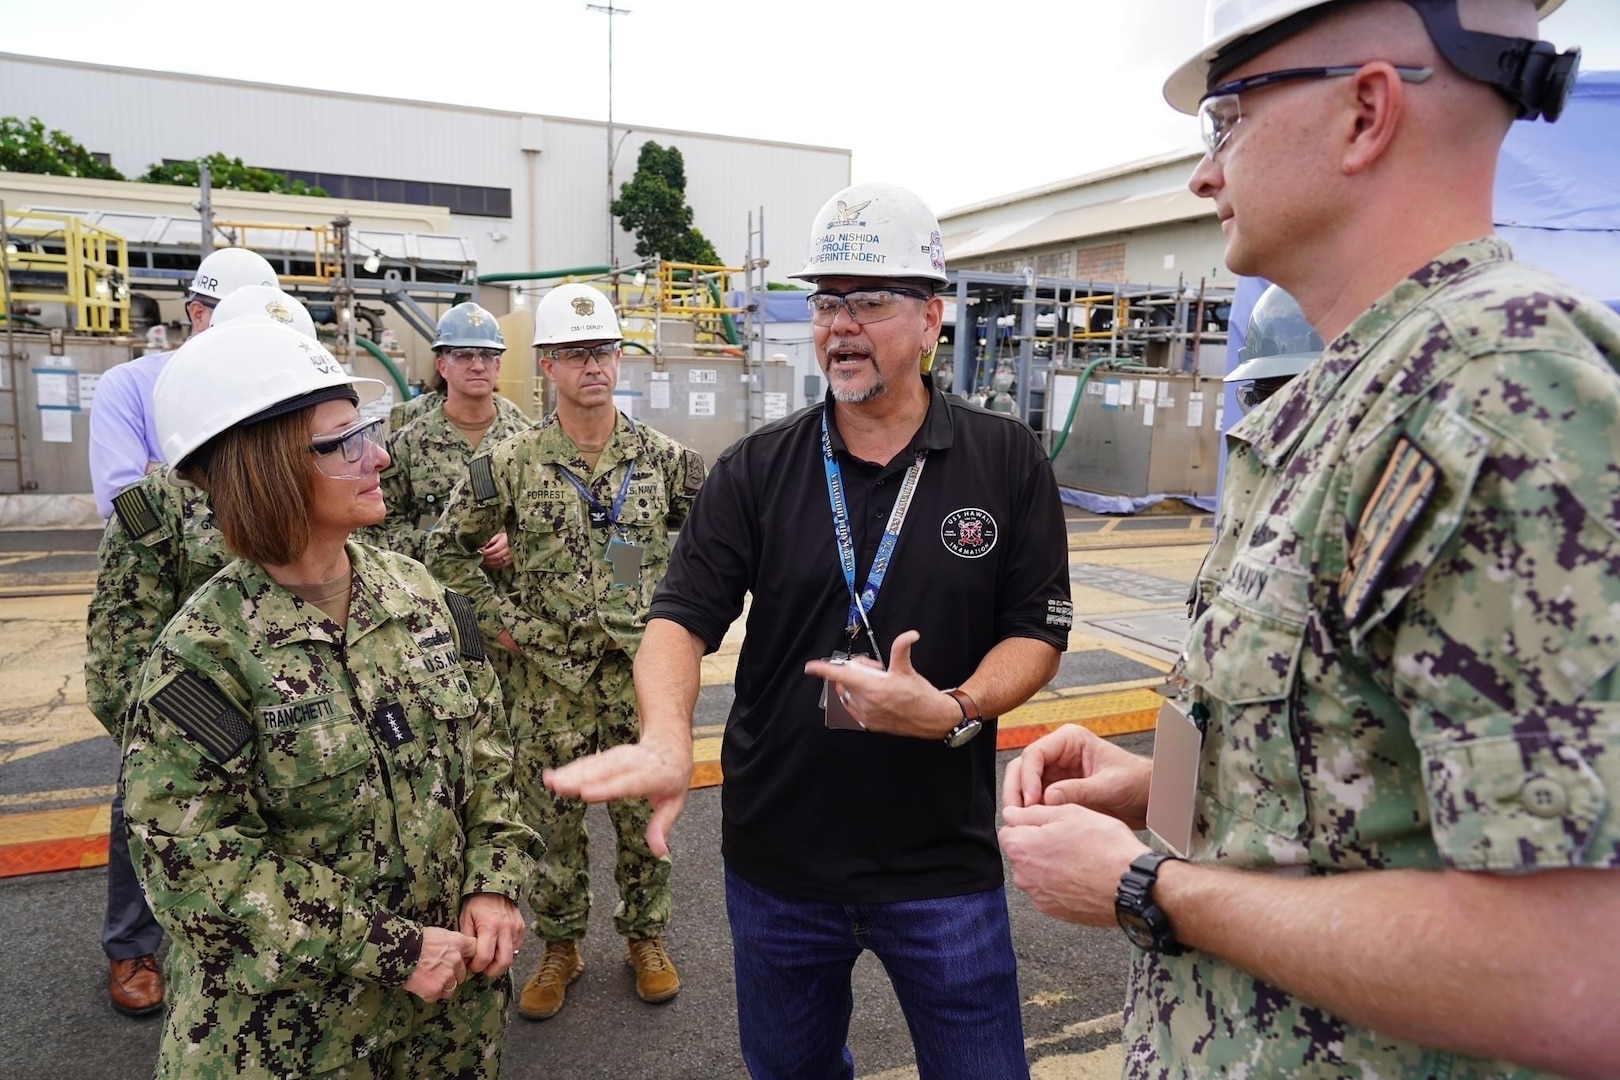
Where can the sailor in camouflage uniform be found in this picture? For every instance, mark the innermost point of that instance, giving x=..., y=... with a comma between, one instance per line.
x=160, y=545
x=318, y=769
x=430, y=453
x=1403, y=841
x=586, y=501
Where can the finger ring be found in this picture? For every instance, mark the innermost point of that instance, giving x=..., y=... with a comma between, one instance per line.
x=452, y=988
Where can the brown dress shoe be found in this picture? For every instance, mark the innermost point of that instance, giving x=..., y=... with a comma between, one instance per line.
x=136, y=985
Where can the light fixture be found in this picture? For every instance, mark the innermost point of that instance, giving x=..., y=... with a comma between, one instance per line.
x=372, y=263
x=640, y=279
x=101, y=288
x=518, y=299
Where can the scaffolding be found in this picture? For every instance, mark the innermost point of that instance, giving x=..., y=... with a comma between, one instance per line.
x=1031, y=326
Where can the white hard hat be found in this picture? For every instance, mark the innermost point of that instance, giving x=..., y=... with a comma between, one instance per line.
x=247, y=370
x=1226, y=21
x=875, y=230
x=265, y=302
x=224, y=271
x=574, y=313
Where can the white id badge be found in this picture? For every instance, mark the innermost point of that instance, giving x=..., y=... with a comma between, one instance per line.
x=1177, y=748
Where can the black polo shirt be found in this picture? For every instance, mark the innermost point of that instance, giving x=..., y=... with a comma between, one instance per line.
x=851, y=816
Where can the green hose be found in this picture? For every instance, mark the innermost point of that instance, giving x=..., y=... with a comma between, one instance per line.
x=538, y=275
x=26, y=320
x=725, y=320
x=388, y=365
x=1074, y=406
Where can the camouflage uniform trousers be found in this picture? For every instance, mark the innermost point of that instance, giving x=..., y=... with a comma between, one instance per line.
x=459, y=1039
x=550, y=728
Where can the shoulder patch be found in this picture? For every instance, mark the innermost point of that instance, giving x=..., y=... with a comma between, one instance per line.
x=482, y=476
x=1409, y=484
x=466, y=619
x=693, y=472
x=196, y=706
x=135, y=512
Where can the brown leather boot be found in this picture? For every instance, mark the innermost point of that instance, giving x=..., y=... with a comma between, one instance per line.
x=543, y=994
x=656, y=979
x=135, y=985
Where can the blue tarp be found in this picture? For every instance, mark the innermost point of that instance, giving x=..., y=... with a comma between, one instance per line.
x=775, y=305
x=1557, y=193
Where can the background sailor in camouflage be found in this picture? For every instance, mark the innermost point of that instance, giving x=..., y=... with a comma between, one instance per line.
x=584, y=572
x=430, y=453
x=1407, y=666
x=319, y=771
x=159, y=546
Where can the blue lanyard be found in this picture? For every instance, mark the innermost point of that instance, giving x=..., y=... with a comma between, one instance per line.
x=862, y=602
x=601, y=516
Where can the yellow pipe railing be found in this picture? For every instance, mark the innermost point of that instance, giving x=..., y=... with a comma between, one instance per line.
x=93, y=263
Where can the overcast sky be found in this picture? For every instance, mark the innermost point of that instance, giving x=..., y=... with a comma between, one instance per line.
x=960, y=102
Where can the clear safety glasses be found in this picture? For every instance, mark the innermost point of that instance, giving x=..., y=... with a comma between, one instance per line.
x=468, y=357
x=351, y=454
x=864, y=305
x=577, y=356
x=1220, y=110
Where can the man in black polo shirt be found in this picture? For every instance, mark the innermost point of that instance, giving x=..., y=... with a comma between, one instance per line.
x=891, y=521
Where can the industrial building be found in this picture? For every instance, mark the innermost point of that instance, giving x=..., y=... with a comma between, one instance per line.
x=525, y=191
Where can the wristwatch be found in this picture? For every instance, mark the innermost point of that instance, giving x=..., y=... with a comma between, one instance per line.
x=1144, y=923
x=972, y=723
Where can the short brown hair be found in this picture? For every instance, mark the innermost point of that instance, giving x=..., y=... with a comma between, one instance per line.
x=258, y=482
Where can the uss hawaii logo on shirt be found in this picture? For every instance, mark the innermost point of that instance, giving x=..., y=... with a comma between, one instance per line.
x=969, y=532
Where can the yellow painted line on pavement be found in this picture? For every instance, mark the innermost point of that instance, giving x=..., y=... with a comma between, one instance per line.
x=54, y=840
x=21, y=800
x=1138, y=538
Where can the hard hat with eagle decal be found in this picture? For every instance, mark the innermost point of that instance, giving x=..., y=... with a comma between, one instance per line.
x=575, y=313
x=875, y=230
x=468, y=326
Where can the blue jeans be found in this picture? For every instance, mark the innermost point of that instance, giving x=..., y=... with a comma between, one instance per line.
x=950, y=961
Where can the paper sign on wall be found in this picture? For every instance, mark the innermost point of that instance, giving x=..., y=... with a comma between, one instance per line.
x=700, y=403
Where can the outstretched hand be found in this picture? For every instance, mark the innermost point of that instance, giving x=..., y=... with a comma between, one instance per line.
x=898, y=701
x=657, y=772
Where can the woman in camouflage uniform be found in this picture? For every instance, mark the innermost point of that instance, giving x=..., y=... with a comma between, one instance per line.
x=318, y=772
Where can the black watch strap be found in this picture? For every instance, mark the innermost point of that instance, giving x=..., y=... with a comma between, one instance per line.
x=1142, y=920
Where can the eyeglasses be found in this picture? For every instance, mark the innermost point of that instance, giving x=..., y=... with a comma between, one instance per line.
x=865, y=306
x=1220, y=110
x=351, y=453
x=472, y=356
x=577, y=356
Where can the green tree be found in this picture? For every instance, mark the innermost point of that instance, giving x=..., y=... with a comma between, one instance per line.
x=224, y=172
x=652, y=206
x=26, y=146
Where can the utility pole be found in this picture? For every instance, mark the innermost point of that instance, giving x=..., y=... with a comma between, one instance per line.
x=205, y=207
x=609, y=10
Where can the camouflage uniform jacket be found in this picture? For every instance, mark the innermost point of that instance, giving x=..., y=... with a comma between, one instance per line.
x=401, y=413
x=1409, y=647
x=563, y=609
x=304, y=800
x=159, y=547
x=427, y=457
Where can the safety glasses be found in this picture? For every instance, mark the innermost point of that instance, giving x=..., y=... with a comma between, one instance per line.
x=351, y=454
x=1220, y=110
x=577, y=356
x=865, y=306
x=468, y=357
